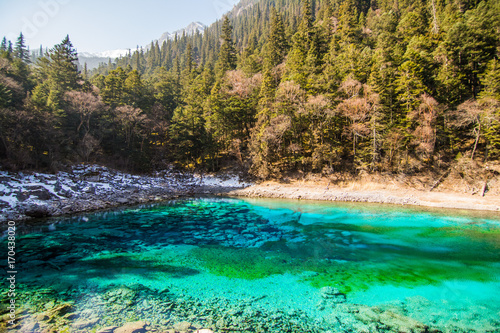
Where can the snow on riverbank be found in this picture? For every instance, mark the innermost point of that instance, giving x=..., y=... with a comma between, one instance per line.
x=91, y=187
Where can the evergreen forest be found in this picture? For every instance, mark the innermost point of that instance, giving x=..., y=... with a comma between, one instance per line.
x=274, y=87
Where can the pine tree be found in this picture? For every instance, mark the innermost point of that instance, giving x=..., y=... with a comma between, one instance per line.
x=151, y=58
x=138, y=61
x=134, y=90
x=490, y=99
x=20, y=51
x=347, y=21
x=189, y=58
x=491, y=80
x=409, y=85
x=277, y=44
x=3, y=45
x=85, y=71
x=227, y=54
x=302, y=42
x=57, y=74
x=64, y=68
x=157, y=59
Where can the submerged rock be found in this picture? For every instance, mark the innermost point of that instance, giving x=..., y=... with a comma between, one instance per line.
x=85, y=323
x=182, y=326
x=109, y=329
x=333, y=295
x=389, y=320
x=29, y=327
x=61, y=309
x=135, y=327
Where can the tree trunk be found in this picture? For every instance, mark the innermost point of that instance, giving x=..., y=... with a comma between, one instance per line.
x=485, y=187
x=435, y=24
x=477, y=140
x=440, y=180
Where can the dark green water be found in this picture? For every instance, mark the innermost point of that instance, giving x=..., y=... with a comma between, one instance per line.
x=263, y=266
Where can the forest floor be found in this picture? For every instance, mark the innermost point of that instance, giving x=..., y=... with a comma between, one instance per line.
x=452, y=191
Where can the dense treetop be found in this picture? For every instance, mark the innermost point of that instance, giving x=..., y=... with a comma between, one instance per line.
x=275, y=86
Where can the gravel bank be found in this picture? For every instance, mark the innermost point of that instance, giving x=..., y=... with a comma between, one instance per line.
x=313, y=191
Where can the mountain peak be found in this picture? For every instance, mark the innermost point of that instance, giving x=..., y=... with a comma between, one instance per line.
x=189, y=30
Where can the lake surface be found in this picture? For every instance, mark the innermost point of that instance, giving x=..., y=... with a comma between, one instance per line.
x=262, y=266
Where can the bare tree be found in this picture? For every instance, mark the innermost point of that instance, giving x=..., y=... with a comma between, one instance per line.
x=131, y=120
x=425, y=117
x=359, y=110
x=85, y=106
x=237, y=83
x=478, y=115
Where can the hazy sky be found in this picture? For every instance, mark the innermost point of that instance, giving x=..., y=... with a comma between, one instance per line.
x=100, y=25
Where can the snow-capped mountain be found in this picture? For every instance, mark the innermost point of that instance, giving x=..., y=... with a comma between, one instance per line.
x=190, y=30
x=113, y=54
x=93, y=59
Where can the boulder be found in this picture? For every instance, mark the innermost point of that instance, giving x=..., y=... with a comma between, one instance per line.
x=135, y=327
x=122, y=201
x=182, y=326
x=4, y=204
x=401, y=324
x=22, y=196
x=60, y=309
x=391, y=321
x=29, y=327
x=85, y=323
x=332, y=294
x=40, y=192
x=37, y=211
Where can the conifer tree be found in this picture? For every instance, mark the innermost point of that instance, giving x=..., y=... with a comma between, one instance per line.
x=151, y=57
x=302, y=42
x=189, y=58
x=277, y=44
x=347, y=21
x=227, y=53
x=20, y=51
x=57, y=73
x=3, y=45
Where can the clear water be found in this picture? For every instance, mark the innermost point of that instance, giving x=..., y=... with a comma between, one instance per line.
x=262, y=266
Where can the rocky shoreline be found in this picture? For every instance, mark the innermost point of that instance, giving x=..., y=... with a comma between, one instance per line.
x=88, y=188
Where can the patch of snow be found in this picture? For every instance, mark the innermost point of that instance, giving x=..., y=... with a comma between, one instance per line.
x=11, y=200
x=232, y=181
x=85, y=184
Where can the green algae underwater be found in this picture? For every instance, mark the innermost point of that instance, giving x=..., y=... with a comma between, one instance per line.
x=430, y=266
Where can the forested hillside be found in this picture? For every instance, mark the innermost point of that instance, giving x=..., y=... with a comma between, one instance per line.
x=276, y=86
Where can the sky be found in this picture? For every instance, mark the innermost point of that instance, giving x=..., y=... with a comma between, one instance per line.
x=101, y=25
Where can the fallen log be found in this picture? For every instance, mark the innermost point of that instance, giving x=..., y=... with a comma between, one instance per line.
x=440, y=180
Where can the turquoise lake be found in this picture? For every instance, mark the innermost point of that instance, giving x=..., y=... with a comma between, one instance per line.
x=252, y=265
